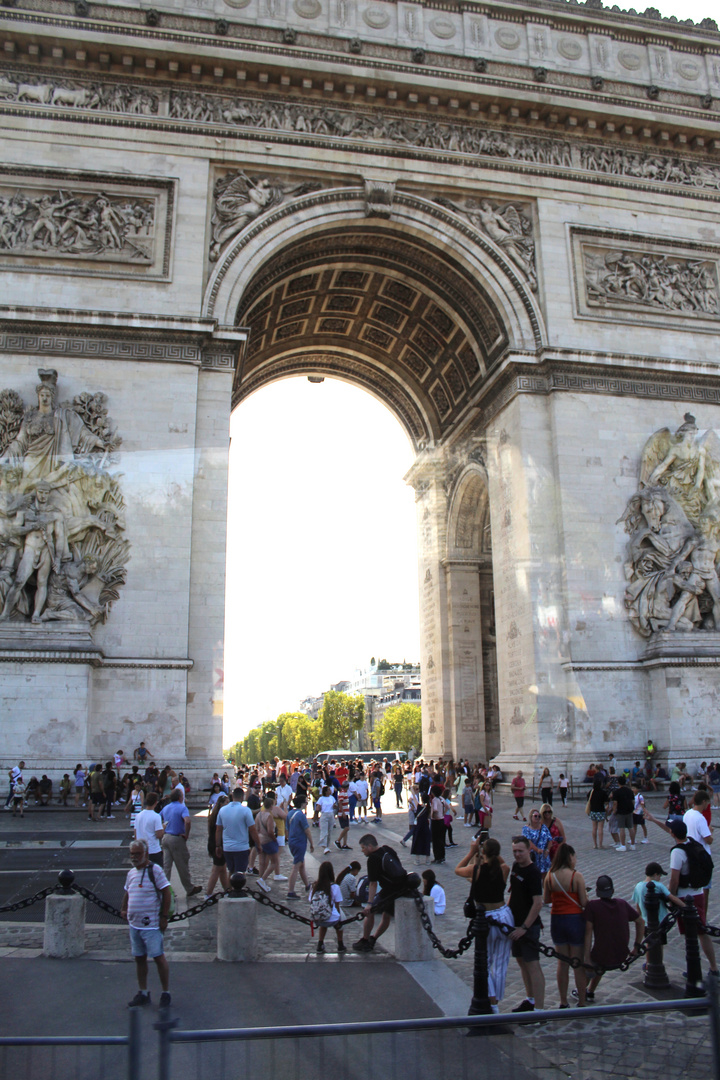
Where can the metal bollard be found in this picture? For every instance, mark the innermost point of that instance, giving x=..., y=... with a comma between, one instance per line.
x=480, y=1004
x=694, y=983
x=655, y=973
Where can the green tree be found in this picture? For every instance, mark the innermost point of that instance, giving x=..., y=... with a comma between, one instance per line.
x=400, y=728
x=303, y=734
x=340, y=718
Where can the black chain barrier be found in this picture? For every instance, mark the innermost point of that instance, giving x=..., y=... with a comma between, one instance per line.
x=289, y=913
x=449, y=954
x=28, y=901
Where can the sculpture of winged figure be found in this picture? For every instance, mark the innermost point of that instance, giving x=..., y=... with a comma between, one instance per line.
x=240, y=199
x=674, y=525
x=506, y=226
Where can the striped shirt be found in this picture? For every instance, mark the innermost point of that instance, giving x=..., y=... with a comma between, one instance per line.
x=144, y=900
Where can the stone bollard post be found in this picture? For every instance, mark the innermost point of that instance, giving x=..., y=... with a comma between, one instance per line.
x=64, y=926
x=411, y=941
x=655, y=973
x=237, y=928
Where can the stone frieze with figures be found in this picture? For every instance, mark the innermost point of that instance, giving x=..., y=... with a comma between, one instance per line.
x=63, y=550
x=644, y=279
x=673, y=522
x=74, y=222
x=407, y=134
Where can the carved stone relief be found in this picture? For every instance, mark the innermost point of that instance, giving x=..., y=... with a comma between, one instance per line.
x=673, y=521
x=509, y=225
x=398, y=129
x=55, y=218
x=651, y=279
x=238, y=199
x=63, y=554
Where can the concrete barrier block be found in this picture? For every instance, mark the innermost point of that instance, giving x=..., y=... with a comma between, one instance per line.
x=411, y=941
x=64, y=926
x=237, y=929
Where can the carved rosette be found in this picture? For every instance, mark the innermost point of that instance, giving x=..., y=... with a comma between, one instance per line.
x=63, y=552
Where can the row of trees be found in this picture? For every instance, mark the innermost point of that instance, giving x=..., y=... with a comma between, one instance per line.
x=295, y=734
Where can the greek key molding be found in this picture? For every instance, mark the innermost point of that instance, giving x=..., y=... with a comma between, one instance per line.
x=98, y=348
x=553, y=376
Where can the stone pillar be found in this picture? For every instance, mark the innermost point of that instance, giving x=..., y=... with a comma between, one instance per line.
x=427, y=477
x=465, y=659
x=411, y=941
x=64, y=926
x=528, y=571
x=237, y=929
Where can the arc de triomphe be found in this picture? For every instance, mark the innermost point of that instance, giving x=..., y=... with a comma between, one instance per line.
x=502, y=221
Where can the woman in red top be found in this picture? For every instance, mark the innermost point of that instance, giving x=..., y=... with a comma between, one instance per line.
x=565, y=889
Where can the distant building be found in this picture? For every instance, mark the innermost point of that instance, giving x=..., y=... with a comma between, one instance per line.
x=381, y=685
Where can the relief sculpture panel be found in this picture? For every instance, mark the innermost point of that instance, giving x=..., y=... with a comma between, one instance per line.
x=66, y=223
x=659, y=282
x=673, y=521
x=63, y=553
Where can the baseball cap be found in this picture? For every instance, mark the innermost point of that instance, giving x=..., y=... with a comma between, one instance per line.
x=604, y=886
x=653, y=868
x=678, y=828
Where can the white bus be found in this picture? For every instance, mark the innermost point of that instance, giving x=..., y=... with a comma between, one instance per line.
x=366, y=756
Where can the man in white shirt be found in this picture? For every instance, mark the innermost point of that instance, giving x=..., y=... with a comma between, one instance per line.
x=694, y=818
x=283, y=797
x=15, y=774
x=149, y=827
x=679, y=872
x=361, y=789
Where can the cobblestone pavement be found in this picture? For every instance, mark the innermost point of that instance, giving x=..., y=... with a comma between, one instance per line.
x=638, y=1046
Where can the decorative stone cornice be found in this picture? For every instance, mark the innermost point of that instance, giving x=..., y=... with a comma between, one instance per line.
x=93, y=659
x=118, y=336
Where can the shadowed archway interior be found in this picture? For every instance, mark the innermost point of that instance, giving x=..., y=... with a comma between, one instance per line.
x=380, y=308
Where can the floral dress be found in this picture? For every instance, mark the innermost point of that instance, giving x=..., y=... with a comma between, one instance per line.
x=540, y=838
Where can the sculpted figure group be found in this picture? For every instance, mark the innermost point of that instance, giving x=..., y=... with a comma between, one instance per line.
x=62, y=551
x=674, y=525
x=87, y=225
x=652, y=281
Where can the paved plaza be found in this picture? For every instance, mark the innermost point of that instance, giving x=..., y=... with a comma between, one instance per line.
x=46, y=841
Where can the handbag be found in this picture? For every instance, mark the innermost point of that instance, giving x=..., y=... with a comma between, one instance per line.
x=470, y=907
x=587, y=805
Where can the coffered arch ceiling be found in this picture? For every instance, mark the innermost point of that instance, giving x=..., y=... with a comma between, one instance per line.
x=378, y=307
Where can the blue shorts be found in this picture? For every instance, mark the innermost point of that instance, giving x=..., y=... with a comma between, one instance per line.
x=146, y=942
x=271, y=848
x=298, y=852
x=567, y=929
x=236, y=861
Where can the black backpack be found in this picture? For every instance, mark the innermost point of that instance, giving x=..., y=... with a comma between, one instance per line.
x=393, y=870
x=700, y=865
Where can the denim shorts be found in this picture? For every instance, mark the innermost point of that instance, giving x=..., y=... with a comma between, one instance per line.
x=298, y=852
x=146, y=942
x=567, y=929
x=271, y=848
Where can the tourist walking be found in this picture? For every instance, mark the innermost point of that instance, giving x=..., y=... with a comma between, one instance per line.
x=413, y=807
x=421, y=840
x=546, y=787
x=325, y=900
x=326, y=807
x=526, y=901
x=556, y=827
x=177, y=822
x=517, y=787
x=596, y=809
x=437, y=828
x=299, y=837
x=539, y=840
x=219, y=870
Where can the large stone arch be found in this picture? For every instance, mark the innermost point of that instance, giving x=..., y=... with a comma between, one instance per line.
x=416, y=307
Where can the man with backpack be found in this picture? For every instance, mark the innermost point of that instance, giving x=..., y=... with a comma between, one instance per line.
x=691, y=869
x=385, y=873
x=146, y=907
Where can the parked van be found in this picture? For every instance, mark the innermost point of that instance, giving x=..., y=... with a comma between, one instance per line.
x=366, y=756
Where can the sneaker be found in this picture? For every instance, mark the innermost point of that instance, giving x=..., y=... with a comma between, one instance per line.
x=524, y=1006
x=346, y=847
x=195, y=890
x=338, y=845
x=293, y=896
x=644, y=841
x=320, y=947
x=139, y=999
x=404, y=843
x=589, y=996
x=620, y=847
x=111, y=817
x=280, y=877
x=253, y=871
x=631, y=847
x=363, y=945
x=262, y=883
x=341, y=947
x=327, y=851
x=377, y=821
x=165, y=999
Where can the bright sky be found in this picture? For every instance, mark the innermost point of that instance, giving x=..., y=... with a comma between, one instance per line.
x=322, y=569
